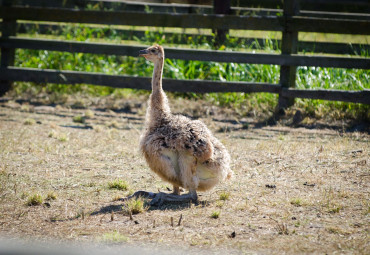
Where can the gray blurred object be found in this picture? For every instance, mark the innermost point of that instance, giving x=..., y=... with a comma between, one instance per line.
x=23, y=247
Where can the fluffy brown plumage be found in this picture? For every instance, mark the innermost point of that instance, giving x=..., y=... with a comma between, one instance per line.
x=180, y=150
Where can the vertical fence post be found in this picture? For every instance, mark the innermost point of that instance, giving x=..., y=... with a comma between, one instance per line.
x=288, y=46
x=221, y=7
x=8, y=28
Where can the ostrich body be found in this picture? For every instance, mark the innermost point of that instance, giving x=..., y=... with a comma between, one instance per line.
x=180, y=150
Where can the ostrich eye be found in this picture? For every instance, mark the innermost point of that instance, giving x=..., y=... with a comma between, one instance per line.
x=152, y=50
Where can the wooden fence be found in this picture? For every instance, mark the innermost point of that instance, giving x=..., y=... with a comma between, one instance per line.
x=345, y=17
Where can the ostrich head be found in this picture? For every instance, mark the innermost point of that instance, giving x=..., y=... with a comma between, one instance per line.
x=153, y=53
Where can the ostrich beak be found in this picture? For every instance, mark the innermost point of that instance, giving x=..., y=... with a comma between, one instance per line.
x=142, y=53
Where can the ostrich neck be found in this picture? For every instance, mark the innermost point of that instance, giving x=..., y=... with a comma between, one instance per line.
x=158, y=99
x=157, y=77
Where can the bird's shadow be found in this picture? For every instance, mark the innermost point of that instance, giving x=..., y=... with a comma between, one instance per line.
x=107, y=209
x=165, y=207
x=178, y=206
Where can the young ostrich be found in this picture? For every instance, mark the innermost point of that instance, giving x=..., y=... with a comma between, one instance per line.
x=180, y=150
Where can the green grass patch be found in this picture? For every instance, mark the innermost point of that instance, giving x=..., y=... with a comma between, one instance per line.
x=335, y=209
x=297, y=202
x=35, y=199
x=113, y=237
x=215, y=214
x=51, y=196
x=118, y=184
x=63, y=137
x=224, y=196
x=29, y=122
x=79, y=119
x=134, y=206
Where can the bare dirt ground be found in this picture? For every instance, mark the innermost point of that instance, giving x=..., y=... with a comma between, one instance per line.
x=295, y=190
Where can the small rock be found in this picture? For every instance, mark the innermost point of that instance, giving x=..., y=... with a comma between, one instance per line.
x=356, y=151
x=270, y=186
x=309, y=184
x=232, y=235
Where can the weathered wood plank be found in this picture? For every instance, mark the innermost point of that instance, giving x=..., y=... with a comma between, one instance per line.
x=360, y=6
x=333, y=48
x=122, y=81
x=221, y=7
x=213, y=21
x=8, y=28
x=357, y=6
x=117, y=5
x=303, y=46
x=335, y=15
x=289, y=46
x=321, y=25
x=189, y=54
x=362, y=96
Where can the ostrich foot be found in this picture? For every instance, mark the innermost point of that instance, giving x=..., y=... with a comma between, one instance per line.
x=164, y=198
x=140, y=193
x=161, y=198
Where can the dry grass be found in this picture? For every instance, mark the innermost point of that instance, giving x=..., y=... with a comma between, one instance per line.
x=295, y=190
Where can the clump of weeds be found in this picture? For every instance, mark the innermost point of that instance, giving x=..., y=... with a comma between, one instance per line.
x=281, y=227
x=134, y=206
x=63, y=137
x=35, y=199
x=215, y=214
x=224, y=195
x=297, y=202
x=79, y=119
x=118, y=184
x=29, y=122
x=51, y=196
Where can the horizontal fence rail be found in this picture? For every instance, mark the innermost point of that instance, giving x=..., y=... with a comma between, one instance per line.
x=214, y=21
x=123, y=81
x=359, y=6
x=254, y=43
x=288, y=17
x=185, y=9
x=362, y=96
x=143, y=19
x=184, y=54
